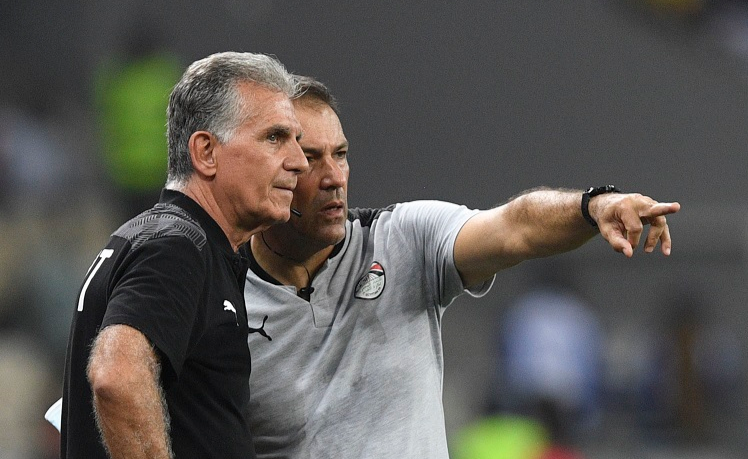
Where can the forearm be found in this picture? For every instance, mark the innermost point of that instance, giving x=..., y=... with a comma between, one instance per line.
x=543, y=222
x=546, y=222
x=133, y=427
x=534, y=224
x=128, y=402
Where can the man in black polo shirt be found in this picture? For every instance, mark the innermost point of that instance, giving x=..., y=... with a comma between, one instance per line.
x=157, y=361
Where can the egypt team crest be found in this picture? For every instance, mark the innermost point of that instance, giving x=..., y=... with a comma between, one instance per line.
x=371, y=284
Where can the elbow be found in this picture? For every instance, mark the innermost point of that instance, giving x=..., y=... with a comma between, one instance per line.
x=121, y=360
x=106, y=383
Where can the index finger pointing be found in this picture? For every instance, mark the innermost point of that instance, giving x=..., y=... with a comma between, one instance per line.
x=661, y=208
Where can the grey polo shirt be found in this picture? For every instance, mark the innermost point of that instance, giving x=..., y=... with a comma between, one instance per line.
x=356, y=372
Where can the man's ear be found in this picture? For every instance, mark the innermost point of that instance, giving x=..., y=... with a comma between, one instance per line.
x=203, y=147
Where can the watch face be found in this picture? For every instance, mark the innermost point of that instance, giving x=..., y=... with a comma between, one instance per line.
x=602, y=190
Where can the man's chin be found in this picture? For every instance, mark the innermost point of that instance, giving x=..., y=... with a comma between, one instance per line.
x=279, y=216
x=332, y=236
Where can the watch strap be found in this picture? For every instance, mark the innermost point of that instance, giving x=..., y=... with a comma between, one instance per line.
x=591, y=192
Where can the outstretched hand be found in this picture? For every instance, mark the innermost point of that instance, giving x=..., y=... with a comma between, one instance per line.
x=621, y=219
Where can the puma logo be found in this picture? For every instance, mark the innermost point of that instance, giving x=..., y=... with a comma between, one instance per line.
x=261, y=330
x=227, y=306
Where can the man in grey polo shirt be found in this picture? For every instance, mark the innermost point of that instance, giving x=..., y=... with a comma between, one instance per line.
x=347, y=305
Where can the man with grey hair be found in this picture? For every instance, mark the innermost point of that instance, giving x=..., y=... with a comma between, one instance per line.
x=157, y=361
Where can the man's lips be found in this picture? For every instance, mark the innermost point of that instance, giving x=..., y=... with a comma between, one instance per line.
x=287, y=187
x=333, y=207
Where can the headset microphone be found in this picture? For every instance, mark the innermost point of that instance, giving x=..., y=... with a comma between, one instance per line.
x=295, y=212
x=306, y=292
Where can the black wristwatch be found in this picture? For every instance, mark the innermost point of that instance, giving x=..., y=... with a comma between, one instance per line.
x=591, y=193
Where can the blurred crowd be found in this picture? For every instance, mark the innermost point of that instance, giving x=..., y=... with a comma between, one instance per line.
x=58, y=204
x=570, y=384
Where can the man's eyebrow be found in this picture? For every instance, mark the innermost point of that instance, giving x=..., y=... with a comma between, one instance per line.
x=317, y=150
x=279, y=130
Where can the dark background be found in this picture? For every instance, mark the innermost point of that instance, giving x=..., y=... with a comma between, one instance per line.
x=470, y=102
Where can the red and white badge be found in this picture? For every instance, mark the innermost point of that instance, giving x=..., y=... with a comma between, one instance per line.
x=371, y=285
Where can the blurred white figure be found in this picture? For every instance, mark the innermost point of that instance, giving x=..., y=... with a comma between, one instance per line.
x=552, y=355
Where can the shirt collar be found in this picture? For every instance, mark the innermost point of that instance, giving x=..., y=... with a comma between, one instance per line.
x=212, y=230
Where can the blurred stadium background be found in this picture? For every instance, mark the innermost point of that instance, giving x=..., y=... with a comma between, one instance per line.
x=466, y=101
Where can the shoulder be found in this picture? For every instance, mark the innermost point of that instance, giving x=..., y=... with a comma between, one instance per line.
x=163, y=220
x=412, y=210
x=367, y=216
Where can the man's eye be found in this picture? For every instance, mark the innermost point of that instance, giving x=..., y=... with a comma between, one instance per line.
x=273, y=137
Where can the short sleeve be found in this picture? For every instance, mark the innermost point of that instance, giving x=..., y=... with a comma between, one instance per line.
x=431, y=228
x=158, y=293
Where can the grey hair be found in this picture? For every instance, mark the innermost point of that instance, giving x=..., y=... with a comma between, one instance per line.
x=206, y=98
x=309, y=88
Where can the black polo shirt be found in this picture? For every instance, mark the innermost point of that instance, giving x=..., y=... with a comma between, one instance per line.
x=172, y=274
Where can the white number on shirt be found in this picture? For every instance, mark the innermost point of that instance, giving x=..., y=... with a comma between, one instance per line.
x=106, y=253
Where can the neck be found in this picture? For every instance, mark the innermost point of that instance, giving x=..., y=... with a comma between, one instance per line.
x=235, y=234
x=293, y=244
x=283, y=257
x=286, y=269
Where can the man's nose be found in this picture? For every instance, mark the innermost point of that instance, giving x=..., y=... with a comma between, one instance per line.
x=334, y=176
x=296, y=160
